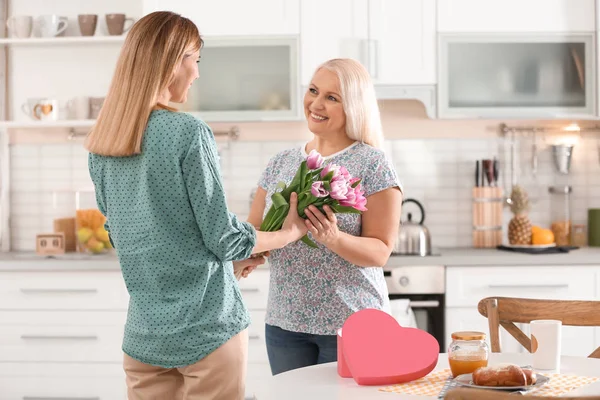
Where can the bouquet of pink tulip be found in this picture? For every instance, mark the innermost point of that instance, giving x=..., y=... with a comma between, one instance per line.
x=331, y=185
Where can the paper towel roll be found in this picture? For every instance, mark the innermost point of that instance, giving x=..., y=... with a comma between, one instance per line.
x=402, y=312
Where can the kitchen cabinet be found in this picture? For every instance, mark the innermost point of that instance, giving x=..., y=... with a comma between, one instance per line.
x=402, y=38
x=61, y=333
x=508, y=75
x=255, y=291
x=234, y=17
x=324, y=37
x=69, y=322
x=466, y=286
x=247, y=78
x=395, y=40
x=560, y=16
x=66, y=381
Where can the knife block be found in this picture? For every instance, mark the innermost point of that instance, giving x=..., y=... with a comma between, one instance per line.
x=487, y=217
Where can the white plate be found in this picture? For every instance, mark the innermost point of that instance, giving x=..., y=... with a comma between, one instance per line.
x=530, y=246
x=467, y=380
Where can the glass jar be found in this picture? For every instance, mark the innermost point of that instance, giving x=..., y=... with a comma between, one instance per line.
x=560, y=214
x=467, y=352
x=578, y=235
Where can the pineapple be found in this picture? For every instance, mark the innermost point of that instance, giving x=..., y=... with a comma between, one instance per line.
x=519, y=227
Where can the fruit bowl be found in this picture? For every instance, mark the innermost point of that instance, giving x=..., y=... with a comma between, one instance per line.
x=91, y=235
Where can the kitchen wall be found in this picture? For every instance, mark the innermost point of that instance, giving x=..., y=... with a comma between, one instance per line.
x=434, y=159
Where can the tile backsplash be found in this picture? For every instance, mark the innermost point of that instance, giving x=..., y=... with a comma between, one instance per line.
x=51, y=180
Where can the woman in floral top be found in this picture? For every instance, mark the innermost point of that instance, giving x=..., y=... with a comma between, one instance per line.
x=313, y=291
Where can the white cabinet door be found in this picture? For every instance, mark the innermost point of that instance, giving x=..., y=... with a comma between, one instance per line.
x=516, y=16
x=235, y=17
x=402, y=41
x=466, y=286
x=469, y=319
x=66, y=381
x=331, y=29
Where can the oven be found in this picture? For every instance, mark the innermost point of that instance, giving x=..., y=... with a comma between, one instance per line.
x=424, y=288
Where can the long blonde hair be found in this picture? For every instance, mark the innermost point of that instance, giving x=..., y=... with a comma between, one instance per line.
x=363, y=121
x=152, y=52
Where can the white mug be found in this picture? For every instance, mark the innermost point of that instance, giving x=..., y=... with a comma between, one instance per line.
x=66, y=20
x=46, y=110
x=51, y=25
x=79, y=107
x=20, y=26
x=29, y=105
x=546, y=343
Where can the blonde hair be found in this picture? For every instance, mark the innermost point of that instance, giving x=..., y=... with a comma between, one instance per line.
x=152, y=52
x=363, y=121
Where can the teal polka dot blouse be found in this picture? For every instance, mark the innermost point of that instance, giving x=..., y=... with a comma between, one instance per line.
x=175, y=240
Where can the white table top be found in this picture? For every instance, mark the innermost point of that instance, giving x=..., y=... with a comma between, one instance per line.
x=322, y=381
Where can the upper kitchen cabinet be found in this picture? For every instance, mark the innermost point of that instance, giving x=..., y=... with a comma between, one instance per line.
x=324, y=37
x=516, y=76
x=402, y=38
x=235, y=17
x=559, y=16
x=394, y=40
x=247, y=79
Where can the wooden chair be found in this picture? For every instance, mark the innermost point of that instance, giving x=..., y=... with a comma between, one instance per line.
x=481, y=394
x=506, y=311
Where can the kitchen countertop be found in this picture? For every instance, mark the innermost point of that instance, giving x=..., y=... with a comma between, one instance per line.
x=29, y=261
x=467, y=256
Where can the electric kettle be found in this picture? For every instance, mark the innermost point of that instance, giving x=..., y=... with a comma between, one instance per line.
x=413, y=237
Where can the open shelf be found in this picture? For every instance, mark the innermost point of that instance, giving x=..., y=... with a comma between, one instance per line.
x=61, y=40
x=67, y=123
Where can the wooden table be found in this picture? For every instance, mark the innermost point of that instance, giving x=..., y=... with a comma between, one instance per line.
x=322, y=381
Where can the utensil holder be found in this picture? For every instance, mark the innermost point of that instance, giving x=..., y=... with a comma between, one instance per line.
x=562, y=157
x=487, y=217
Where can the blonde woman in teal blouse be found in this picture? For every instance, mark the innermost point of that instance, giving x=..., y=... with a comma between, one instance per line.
x=157, y=180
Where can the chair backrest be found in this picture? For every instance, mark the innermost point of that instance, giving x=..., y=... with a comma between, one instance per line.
x=506, y=311
x=480, y=394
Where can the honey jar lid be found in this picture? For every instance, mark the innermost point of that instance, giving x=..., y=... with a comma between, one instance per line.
x=468, y=335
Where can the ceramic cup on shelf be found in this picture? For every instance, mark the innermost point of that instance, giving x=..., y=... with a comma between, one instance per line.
x=116, y=24
x=20, y=26
x=64, y=31
x=546, y=344
x=46, y=110
x=29, y=105
x=95, y=106
x=87, y=24
x=51, y=25
x=79, y=107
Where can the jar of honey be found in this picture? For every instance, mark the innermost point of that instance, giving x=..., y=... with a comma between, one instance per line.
x=467, y=352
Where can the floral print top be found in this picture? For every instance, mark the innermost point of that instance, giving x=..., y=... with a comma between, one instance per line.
x=314, y=290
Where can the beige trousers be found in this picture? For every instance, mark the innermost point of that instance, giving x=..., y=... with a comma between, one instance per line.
x=219, y=376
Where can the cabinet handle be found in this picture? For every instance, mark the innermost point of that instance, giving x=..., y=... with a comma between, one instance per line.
x=59, y=398
x=532, y=286
x=53, y=291
x=249, y=290
x=59, y=337
x=254, y=337
x=424, y=304
x=373, y=58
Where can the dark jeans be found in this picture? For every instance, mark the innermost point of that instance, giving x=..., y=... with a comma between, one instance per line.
x=290, y=350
